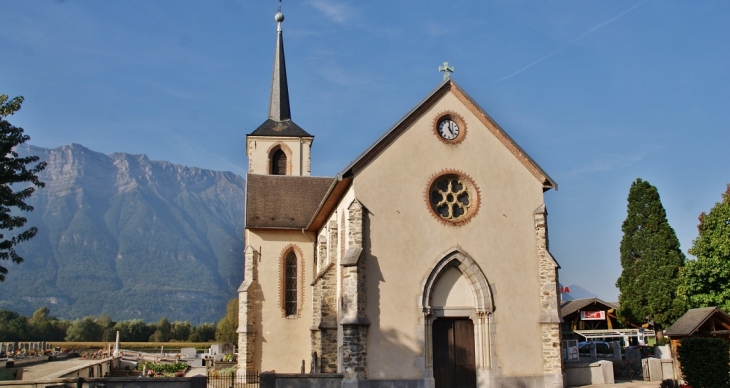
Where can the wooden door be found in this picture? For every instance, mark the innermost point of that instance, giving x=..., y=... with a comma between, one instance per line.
x=453, y=353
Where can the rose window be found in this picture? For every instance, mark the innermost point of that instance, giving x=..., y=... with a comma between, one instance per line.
x=452, y=198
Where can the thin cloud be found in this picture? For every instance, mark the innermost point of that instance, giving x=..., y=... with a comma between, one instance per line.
x=338, y=13
x=581, y=36
x=610, y=162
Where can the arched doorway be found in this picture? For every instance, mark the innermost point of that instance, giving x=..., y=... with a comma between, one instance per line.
x=456, y=303
x=453, y=353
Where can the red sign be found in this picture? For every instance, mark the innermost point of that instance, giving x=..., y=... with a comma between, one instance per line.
x=593, y=315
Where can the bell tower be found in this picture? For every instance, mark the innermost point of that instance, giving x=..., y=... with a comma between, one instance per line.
x=279, y=146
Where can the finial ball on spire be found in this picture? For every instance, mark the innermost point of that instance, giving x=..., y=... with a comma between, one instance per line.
x=279, y=17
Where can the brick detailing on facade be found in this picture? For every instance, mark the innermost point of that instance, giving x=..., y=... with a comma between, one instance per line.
x=247, y=313
x=549, y=304
x=354, y=321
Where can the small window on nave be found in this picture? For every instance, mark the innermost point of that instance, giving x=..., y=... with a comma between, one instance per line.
x=278, y=162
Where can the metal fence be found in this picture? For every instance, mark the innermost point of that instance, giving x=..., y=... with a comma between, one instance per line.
x=628, y=370
x=250, y=380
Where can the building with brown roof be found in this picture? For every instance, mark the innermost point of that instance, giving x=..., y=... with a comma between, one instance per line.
x=701, y=322
x=423, y=263
x=593, y=319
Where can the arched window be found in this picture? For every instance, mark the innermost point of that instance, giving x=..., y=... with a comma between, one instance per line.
x=278, y=162
x=290, y=285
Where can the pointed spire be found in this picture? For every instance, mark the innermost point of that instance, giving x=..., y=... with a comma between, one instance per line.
x=279, y=102
x=279, y=122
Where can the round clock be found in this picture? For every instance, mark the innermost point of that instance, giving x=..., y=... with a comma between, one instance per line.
x=448, y=129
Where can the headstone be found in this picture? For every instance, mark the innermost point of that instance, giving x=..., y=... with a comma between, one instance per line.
x=228, y=348
x=616, y=350
x=654, y=366
x=188, y=352
x=592, y=348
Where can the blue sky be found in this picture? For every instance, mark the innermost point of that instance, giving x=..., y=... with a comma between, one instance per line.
x=598, y=93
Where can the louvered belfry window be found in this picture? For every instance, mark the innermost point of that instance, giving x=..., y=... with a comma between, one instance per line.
x=290, y=287
x=278, y=163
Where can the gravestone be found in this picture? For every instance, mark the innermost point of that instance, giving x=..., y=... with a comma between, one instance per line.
x=616, y=345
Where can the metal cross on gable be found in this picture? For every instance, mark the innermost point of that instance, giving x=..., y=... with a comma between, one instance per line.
x=447, y=70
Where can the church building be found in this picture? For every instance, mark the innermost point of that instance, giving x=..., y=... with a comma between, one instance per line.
x=423, y=263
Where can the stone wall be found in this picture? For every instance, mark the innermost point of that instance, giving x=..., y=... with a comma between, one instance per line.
x=324, y=319
x=274, y=380
x=550, y=313
x=246, y=314
x=354, y=321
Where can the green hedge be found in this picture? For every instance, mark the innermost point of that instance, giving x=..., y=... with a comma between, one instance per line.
x=705, y=362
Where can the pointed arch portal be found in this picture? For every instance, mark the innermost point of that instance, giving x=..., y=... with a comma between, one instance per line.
x=456, y=303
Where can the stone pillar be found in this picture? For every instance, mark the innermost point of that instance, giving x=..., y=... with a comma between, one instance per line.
x=315, y=335
x=247, y=315
x=550, y=313
x=332, y=249
x=354, y=321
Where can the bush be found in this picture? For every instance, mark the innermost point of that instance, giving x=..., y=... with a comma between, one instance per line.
x=669, y=383
x=705, y=362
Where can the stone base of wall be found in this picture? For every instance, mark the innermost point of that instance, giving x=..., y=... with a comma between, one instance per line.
x=420, y=383
x=547, y=381
x=328, y=358
x=278, y=380
x=294, y=380
x=354, y=351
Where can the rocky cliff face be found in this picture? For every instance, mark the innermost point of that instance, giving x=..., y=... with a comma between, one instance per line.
x=129, y=237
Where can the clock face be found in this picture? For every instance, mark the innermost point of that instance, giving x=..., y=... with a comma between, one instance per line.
x=448, y=129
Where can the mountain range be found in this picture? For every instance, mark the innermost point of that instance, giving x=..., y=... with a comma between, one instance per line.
x=128, y=237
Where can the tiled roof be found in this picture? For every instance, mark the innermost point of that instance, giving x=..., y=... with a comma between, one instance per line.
x=688, y=323
x=570, y=306
x=285, y=128
x=283, y=201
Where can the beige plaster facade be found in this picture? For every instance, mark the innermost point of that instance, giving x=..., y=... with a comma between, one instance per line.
x=383, y=270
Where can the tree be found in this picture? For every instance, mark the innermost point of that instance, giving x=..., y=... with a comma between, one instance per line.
x=205, y=332
x=651, y=261
x=133, y=331
x=40, y=325
x=84, y=330
x=227, y=326
x=706, y=281
x=162, y=333
x=181, y=330
x=14, y=169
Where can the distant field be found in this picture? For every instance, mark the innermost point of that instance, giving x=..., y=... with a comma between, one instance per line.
x=132, y=345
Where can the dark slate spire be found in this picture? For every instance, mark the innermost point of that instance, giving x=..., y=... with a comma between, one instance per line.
x=279, y=122
x=279, y=102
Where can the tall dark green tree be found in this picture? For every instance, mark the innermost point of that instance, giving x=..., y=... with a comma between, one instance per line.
x=14, y=170
x=651, y=261
x=706, y=281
